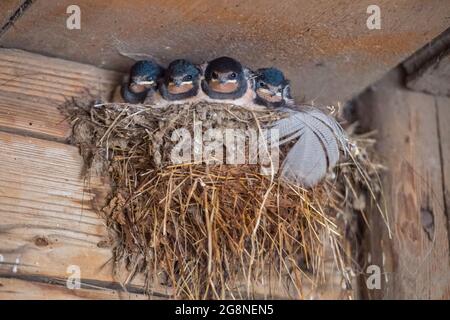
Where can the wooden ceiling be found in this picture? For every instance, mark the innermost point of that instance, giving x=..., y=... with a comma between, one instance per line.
x=324, y=46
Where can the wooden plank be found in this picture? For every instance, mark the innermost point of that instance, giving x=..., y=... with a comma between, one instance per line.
x=415, y=261
x=427, y=54
x=48, y=223
x=14, y=289
x=47, y=220
x=315, y=42
x=7, y=8
x=434, y=78
x=33, y=86
x=443, y=115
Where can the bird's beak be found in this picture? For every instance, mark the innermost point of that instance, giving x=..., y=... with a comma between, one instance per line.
x=224, y=85
x=177, y=82
x=144, y=82
x=276, y=94
x=225, y=80
x=271, y=95
x=177, y=86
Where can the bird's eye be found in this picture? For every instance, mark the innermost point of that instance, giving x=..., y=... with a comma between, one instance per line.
x=215, y=75
x=262, y=84
x=233, y=75
x=188, y=78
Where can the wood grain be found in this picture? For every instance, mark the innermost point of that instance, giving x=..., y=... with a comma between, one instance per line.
x=33, y=86
x=7, y=8
x=414, y=259
x=47, y=221
x=428, y=70
x=434, y=78
x=443, y=115
x=11, y=288
x=46, y=212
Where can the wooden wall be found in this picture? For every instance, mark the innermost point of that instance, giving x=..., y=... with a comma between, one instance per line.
x=413, y=142
x=47, y=221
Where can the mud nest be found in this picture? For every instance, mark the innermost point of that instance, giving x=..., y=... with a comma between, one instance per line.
x=205, y=230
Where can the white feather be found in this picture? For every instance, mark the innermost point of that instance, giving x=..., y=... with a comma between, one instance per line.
x=318, y=148
x=306, y=163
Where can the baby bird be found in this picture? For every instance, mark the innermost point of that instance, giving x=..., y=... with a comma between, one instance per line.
x=181, y=82
x=142, y=81
x=226, y=80
x=320, y=138
x=272, y=88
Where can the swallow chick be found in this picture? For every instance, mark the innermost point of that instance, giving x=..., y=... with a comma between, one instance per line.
x=142, y=82
x=181, y=82
x=226, y=79
x=272, y=88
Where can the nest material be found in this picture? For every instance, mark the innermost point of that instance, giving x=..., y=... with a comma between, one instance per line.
x=214, y=230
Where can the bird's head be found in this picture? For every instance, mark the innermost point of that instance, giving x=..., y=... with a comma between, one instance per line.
x=271, y=87
x=224, y=78
x=144, y=76
x=181, y=77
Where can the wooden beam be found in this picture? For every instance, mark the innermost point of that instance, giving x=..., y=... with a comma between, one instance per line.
x=428, y=70
x=46, y=208
x=33, y=86
x=46, y=213
x=414, y=257
x=443, y=116
x=427, y=53
x=47, y=220
x=13, y=288
x=7, y=10
x=434, y=77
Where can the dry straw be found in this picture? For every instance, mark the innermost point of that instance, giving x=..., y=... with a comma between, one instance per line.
x=214, y=230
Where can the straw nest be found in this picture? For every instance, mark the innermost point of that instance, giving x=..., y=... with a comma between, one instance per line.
x=206, y=230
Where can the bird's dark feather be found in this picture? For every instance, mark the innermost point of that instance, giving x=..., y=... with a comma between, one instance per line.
x=163, y=89
x=132, y=97
x=272, y=76
x=224, y=65
x=146, y=68
x=180, y=68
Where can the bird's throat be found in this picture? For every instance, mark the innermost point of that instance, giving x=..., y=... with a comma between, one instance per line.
x=269, y=97
x=220, y=93
x=174, y=89
x=137, y=88
x=228, y=87
x=173, y=93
